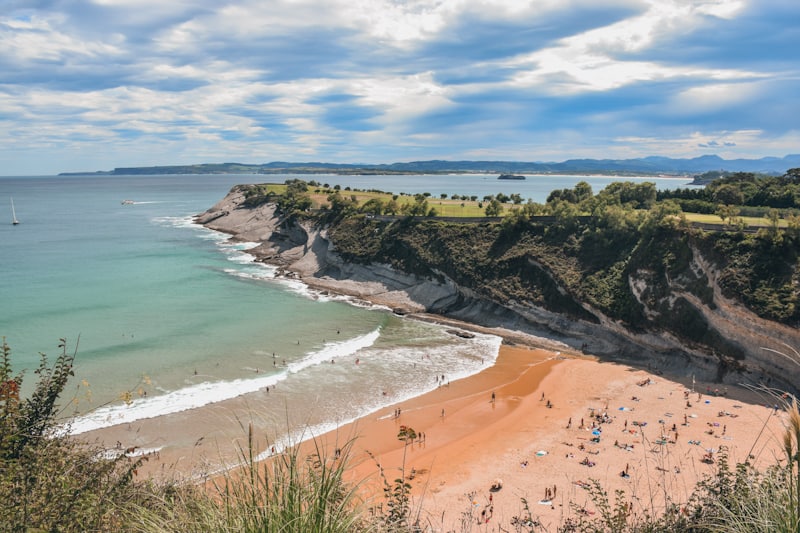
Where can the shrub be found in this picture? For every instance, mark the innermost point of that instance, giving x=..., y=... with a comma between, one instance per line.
x=49, y=481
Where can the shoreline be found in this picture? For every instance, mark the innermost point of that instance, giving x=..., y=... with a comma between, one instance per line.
x=539, y=452
x=471, y=441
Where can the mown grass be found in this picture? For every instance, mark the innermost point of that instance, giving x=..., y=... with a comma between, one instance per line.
x=443, y=207
x=758, y=222
x=472, y=209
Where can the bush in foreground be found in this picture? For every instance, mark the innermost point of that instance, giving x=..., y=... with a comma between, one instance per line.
x=52, y=482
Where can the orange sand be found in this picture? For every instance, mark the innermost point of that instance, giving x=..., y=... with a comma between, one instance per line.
x=477, y=441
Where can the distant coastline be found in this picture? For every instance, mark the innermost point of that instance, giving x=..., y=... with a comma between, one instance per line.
x=646, y=166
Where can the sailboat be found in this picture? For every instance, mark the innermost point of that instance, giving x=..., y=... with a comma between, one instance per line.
x=13, y=214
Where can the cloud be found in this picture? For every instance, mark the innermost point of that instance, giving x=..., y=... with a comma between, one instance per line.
x=151, y=82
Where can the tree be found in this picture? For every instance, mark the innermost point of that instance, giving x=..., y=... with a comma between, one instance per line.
x=373, y=205
x=391, y=207
x=774, y=217
x=583, y=191
x=341, y=206
x=727, y=212
x=728, y=194
x=531, y=208
x=664, y=214
x=419, y=208
x=636, y=195
x=494, y=208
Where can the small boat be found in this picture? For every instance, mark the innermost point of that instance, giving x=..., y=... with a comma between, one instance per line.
x=14, y=220
x=128, y=202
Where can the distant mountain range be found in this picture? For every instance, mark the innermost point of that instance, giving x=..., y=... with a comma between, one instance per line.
x=648, y=166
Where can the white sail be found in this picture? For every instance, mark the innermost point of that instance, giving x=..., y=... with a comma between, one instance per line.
x=13, y=214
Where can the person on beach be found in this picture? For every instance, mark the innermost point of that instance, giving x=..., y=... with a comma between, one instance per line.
x=493, y=397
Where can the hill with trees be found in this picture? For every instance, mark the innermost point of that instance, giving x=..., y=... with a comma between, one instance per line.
x=638, y=166
x=626, y=272
x=621, y=270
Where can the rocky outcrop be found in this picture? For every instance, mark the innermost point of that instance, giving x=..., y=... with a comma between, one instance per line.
x=743, y=349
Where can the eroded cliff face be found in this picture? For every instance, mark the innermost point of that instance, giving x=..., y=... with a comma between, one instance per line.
x=722, y=330
x=690, y=329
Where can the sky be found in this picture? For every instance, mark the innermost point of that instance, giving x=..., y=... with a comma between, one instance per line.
x=96, y=84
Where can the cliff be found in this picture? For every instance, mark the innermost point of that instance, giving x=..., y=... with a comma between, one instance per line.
x=666, y=300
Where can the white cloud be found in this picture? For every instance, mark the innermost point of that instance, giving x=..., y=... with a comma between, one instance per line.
x=39, y=38
x=740, y=143
x=713, y=97
x=173, y=80
x=726, y=9
x=400, y=98
x=597, y=60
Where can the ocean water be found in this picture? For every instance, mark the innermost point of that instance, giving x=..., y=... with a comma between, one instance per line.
x=154, y=304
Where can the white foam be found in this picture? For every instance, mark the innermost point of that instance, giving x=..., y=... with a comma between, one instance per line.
x=301, y=289
x=332, y=350
x=176, y=222
x=176, y=401
x=257, y=274
x=488, y=346
x=206, y=393
x=239, y=256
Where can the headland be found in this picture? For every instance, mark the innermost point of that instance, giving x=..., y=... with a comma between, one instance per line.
x=539, y=427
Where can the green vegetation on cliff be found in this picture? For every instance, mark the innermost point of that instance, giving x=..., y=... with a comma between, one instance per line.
x=563, y=262
x=622, y=254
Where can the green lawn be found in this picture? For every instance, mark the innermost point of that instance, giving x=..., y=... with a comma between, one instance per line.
x=714, y=219
x=461, y=208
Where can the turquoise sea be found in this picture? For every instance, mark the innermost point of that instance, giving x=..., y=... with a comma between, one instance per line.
x=155, y=304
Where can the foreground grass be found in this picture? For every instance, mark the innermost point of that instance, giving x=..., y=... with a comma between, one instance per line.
x=52, y=482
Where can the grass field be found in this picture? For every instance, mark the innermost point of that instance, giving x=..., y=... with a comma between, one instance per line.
x=757, y=222
x=467, y=208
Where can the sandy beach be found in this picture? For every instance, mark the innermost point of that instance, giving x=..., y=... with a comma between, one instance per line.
x=540, y=425
x=554, y=425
